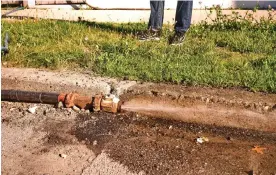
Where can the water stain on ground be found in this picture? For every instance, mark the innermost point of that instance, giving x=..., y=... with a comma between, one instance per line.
x=160, y=146
x=58, y=132
x=164, y=146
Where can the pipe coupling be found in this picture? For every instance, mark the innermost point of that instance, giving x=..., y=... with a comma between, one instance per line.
x=97, y=103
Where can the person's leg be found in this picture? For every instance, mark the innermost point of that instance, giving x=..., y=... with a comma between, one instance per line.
x=156, y=15
x=183, y=15
x=155, y=22
x=183, y=21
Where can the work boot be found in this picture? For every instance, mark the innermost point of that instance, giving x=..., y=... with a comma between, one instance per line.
x=177, y=38
x=150, y=35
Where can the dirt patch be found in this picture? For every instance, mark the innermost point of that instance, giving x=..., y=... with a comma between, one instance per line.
x=169, y=147
x=32, y=143
x=255, y=101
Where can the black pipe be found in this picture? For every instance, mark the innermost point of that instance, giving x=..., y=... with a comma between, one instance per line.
x=27, y=96
x=5, y=49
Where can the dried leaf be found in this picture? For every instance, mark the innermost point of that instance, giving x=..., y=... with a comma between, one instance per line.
x=258, y=149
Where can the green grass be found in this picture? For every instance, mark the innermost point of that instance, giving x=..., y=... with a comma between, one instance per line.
x=239, y=56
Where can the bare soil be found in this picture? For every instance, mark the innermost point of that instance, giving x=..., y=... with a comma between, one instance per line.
x=155, y=134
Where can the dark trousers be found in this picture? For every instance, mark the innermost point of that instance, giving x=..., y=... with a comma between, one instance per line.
x=182, y=17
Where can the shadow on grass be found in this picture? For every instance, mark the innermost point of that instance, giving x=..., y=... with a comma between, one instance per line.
x=122, y=28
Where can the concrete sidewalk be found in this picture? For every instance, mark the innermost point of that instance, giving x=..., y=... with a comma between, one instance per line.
x=121, y=16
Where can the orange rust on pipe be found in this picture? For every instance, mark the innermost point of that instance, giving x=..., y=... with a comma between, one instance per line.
x=97, y=103
x=61, y=97
x=69, y=99
x=74, y=99
x=83, y=102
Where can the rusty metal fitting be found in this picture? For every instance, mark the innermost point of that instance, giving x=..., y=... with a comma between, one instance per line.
x=70, y=100
x=111, y=104
x=97, y=103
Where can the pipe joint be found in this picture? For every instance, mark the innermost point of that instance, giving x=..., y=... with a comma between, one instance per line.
x=111, y=104
x=99, y=102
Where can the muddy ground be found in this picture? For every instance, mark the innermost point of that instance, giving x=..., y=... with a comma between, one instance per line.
x=155, y=134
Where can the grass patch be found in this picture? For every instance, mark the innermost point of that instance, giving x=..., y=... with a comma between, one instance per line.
x=212, y=55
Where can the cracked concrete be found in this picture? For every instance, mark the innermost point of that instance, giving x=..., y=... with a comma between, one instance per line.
x=68, y=78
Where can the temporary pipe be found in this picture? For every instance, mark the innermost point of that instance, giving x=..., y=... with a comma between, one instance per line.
x=95, y=103
x=32, y=97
